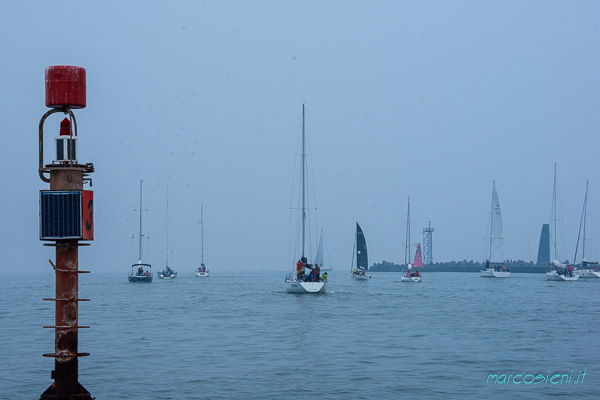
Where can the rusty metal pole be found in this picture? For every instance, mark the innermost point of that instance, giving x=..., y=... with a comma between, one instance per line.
x=65, y=222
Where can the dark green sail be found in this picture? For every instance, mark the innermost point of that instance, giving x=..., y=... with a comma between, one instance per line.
x=362, y=260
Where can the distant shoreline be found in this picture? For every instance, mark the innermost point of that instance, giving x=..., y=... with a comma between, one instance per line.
x=460, y=267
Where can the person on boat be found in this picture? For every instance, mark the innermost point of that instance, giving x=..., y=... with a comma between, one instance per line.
x=301, y=276
x=417, y=274
x=324, y=277
x=310, y=277
x=140, y=271
x=570, y=271
x=408, y=273
x=317, y=271
x=300, y=267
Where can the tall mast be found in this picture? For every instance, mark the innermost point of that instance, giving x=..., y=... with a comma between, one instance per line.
x=582, y=223
x=303, y=181
x=202, y=233
x=492, y=222
x=140, y=236
x=584, y=220
x=407, y=250
x=554, y=213
x=167, y=226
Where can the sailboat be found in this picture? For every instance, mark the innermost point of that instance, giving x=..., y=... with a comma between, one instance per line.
x=202, y=272
x=589, y=269
x=140, y=271
x=493, y=266
x=409, y=276
x=167, y=273
x=362, y=259
x=561, y=272
x=295, y=282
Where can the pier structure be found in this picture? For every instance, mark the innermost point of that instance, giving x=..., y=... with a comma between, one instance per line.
x=66, y=219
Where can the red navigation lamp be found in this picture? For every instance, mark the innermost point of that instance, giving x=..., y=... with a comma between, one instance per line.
x=65, y=87
x=66, y=218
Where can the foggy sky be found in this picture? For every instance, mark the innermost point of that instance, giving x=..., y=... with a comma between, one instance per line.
x=432, y=100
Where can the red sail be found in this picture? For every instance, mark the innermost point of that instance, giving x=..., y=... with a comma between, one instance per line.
x=418, y=260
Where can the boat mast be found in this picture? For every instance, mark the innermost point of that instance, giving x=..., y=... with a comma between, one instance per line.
x=140, y=236
x=584, y=220
x=407, y=249
x=303, y=181
x=554, y=214
x=201, y=234
x=492, y=222
x=167, y=226
x=582, y=223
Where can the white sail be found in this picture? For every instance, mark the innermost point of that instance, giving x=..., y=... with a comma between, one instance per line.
x=496, y=240
x=319, y=256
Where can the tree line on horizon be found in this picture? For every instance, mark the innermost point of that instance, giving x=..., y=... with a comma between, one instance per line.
x=387, y=266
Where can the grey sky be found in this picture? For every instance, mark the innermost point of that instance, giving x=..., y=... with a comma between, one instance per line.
x=428, y=99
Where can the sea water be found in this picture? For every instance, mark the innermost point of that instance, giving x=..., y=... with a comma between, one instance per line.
x=239, y=335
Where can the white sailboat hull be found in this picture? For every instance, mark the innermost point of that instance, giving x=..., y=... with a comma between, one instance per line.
x=298, y=287
x=587, y=273
x=167, y=277
x=492, y=273
x=414, y=279
x=555, y=276
x=202, y=274
x=487, y=273
x=361, y=277
x=569, y=278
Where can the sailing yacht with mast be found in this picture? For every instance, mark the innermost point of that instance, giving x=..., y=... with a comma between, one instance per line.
x=409, y=276
x=295, y=283
x=140, y=271
x=202, y=271
x=362, y=260
x=589, y=269
x=493, y=266
x=167, y=273
x=561, y=272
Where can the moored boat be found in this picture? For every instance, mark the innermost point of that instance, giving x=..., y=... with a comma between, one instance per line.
x=588, y=269
x=202, y=271
x=409, y=275
x=140, y=271
x=299, y=282
x=167, y=273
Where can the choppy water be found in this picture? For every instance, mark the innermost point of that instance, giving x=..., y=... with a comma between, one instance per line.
x=241, y=336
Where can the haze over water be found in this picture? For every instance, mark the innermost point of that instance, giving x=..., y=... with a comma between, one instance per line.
x=241, y=336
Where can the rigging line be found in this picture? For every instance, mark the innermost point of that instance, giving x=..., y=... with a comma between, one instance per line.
x=328, y=255
x=582, y=222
